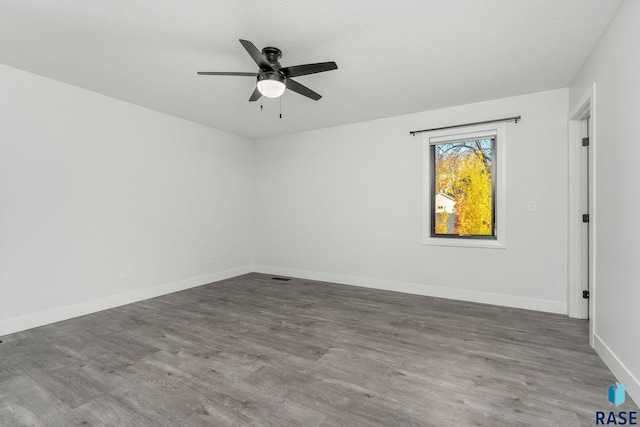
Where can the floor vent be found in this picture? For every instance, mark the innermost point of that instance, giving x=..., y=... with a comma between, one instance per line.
x=281, y=279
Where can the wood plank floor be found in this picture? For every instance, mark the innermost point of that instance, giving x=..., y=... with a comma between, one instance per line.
x=252, y=351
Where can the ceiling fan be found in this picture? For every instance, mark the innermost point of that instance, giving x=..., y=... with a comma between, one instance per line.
x=273, y=78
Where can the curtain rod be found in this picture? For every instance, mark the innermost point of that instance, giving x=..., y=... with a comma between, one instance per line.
x=506, y=119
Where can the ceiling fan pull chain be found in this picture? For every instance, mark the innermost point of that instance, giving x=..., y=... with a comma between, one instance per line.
x=280, y=107
x=260, y=103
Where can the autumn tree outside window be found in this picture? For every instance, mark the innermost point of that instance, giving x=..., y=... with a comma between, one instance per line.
x=463, y=193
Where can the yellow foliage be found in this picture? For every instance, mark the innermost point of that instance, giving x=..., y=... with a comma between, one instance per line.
x=464, y=176
x=441, y=223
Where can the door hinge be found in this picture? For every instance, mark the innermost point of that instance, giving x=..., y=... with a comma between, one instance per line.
x=585, y=218
x=585, y=294
x=585, y=142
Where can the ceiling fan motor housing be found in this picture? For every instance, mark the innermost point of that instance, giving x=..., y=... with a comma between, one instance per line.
x=271, y=75
x=272, y=54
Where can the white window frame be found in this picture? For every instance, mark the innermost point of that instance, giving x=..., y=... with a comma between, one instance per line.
x=497, y=130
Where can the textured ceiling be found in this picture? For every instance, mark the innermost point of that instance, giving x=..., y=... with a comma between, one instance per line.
x=394, y=57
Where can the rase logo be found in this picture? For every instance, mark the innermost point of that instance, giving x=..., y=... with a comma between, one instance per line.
x=615, y=395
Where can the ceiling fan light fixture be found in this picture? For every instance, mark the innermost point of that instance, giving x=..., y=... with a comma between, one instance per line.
x=271, y=84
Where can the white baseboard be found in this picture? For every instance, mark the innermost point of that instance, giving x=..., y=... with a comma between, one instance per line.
x=622, y=374
x=34, y=320
x=559, y=307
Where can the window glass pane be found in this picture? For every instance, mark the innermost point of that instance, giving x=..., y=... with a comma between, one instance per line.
x=463, y=192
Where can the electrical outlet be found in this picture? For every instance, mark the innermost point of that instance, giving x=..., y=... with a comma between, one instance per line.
x=300, y=256
x=212, y=260
x=397, y=265
x=533, y=206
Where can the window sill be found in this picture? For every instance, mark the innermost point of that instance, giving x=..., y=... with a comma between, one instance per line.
x=464, y=243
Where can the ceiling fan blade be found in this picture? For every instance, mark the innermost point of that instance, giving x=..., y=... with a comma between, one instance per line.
x=222, y=73
x=256, y=55
x=302, y=90
x=255, y=95
x=303, y=70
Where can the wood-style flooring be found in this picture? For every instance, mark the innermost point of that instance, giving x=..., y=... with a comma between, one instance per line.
x=252, y=351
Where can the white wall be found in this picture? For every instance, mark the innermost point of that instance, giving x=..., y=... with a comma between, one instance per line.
x=349, y=199
x=615, y=68
x=103, y=202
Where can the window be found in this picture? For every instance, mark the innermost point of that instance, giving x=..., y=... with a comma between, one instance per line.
x=463, y=195
x=463, y=192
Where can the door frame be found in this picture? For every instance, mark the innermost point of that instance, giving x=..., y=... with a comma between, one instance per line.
x=584, y=108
